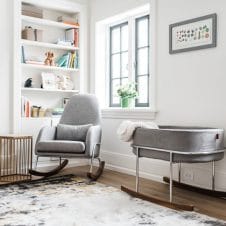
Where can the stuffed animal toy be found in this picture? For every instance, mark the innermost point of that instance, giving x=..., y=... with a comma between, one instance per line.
x=49, y=61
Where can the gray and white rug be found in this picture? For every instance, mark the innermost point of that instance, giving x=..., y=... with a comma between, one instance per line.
x=66, y=201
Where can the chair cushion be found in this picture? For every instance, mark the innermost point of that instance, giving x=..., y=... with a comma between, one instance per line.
x=61, y=146
x=72, y=132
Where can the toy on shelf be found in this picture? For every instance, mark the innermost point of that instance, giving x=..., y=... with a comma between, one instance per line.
x=49, y=61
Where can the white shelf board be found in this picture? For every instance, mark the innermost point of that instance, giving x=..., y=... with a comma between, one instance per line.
x=48, y=90
x=47, y=45
x=46, y=22
x=44, y=67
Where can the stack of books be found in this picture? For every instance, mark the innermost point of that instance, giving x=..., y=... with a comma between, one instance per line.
x=25, y=107
x=69, y=60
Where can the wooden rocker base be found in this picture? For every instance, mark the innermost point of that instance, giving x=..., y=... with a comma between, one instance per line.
x=219, y=194
x=95, y=176
x=161, y=202
x=50, y=173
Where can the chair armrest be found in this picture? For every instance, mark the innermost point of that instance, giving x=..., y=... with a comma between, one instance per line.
x=93, y=140
x=46, y=133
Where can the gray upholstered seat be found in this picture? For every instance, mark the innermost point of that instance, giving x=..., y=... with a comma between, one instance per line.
x=59, y=146
x=78, y=134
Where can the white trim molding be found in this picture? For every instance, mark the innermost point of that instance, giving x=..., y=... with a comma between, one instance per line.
x=127, y=113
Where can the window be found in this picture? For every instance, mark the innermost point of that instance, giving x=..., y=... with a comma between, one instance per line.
x=129, y=59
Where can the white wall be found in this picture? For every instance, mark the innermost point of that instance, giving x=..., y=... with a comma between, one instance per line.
x=6, y=64
x=190, y=86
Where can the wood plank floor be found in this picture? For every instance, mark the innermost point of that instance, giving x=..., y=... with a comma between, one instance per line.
x=214, y=207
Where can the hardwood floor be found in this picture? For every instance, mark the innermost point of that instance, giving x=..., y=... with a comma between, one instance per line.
x=211, y=206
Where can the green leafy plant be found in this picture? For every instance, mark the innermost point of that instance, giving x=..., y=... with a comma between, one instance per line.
x=127, y=91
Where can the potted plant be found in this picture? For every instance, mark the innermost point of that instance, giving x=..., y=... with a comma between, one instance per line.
x=127, y=93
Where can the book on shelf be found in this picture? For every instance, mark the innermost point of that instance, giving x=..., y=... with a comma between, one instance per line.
x=25, y=107
x=69, y=60
x=22, y=55
x=72, y=34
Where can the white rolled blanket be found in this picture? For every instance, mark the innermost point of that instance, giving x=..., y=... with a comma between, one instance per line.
x=127, y=128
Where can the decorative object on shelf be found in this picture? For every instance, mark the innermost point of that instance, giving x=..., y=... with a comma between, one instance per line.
x=31, y=10
x=48, y=81
x=37, y=111
x=57, y=111
x=49, y=61
x=64, y=42
x=65, y=101
x=68, y=20
x=63, y=82
x=127, y=93
x=32, y=34
x=72, y=35
x=28, y=83
x=194, y=34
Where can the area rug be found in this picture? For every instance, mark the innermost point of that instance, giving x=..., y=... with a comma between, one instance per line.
x=69, y=201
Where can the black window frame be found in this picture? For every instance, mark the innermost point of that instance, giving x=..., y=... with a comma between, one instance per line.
x=136, y=76
x=137, y=103
x=111, y=54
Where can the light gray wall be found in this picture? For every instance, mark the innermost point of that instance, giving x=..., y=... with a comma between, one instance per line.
x=190, y=86
x=6, y=64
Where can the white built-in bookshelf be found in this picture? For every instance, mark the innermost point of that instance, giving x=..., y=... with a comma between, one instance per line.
x=53, y=34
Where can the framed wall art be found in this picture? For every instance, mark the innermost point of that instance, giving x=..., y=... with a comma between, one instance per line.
x=194, y=34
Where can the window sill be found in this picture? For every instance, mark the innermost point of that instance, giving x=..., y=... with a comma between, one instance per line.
x=127, y=113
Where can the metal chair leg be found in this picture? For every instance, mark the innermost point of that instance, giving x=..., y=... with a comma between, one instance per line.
x=179, y=173
x=137, y=170
x=213, y=175
x=36, y=162
x=60, y=160
x=171, y=176
x=91, y=160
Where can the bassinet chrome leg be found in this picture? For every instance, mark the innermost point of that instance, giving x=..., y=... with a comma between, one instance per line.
x=213, y=175
x=137, y=170
x=171, y=176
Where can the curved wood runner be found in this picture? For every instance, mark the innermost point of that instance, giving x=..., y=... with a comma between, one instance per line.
x=49, y=173
x=214, y=193
x=161, y=202
x=95, y=176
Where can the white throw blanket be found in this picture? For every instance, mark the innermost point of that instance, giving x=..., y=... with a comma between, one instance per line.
x=127, y=128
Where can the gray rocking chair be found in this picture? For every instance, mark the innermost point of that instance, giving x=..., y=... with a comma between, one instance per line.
x=78, y=135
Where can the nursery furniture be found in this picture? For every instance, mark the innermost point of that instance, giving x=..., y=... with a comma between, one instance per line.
x=78, y=135
x=178, y=145
x=15, y=158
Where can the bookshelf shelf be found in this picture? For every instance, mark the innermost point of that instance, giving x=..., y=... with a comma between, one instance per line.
x=45, y=22
x=48, y=90
x=47, y=45
x=50, y=68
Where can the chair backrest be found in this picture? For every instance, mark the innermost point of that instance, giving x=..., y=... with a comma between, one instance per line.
x=81, y=109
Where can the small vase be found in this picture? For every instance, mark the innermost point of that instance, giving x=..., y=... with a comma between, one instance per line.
x=126, y=102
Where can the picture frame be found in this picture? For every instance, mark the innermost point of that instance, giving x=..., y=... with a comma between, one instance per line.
x=194, y=34
x=48, y=81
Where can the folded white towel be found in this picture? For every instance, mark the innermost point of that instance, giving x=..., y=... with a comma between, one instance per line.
x=127, y=128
